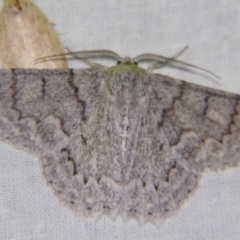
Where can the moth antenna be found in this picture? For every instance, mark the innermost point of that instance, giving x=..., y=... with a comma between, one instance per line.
x=161, y=61
x=85, y=55
x=167, y=60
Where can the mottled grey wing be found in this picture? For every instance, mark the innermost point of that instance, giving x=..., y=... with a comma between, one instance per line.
x=39, y=108
x=138, y=149
x=208, y=118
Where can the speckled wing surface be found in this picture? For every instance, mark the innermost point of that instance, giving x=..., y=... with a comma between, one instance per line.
x=119, y=140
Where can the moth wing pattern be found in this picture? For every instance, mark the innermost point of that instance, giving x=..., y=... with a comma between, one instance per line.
x=128, y=143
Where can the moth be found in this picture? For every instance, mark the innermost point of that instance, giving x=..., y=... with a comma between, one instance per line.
x=119, y=140
x=26, y=35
